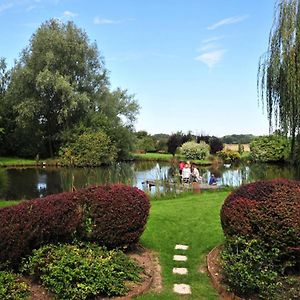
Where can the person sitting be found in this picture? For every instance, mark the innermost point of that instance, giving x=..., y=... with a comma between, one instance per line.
x=186, y=174
x=195, y=174
x=212, y=180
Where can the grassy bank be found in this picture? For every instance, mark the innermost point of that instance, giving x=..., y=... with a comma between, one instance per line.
x=193, y=220
x=166, y=157
x=14, y=161
x=8, y=203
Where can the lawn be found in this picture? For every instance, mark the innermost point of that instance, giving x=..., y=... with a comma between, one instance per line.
x=166, y=157
x=13, y=161
x=8, y=203
x=192, y=220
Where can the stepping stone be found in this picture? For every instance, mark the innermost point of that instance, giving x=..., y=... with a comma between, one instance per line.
x=181, y=247
x=183, y=289
x=180, y=257
x=181, y=271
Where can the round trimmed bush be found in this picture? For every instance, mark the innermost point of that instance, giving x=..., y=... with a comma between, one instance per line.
x=268, y=211
x=112, y=215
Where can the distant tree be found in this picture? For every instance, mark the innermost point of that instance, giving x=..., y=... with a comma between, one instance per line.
x=161, y=140
x=144, y=141
x=204, y=138
x=215, y=144
x=279, y=72
x=238, y=138
x=174, y=141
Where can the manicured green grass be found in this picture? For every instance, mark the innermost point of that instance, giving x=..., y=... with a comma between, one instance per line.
x=8, y=203
x=166, y=157
x=13, y=161
x=192, y=220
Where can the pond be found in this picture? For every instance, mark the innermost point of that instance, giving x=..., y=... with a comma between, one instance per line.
x=28, y=183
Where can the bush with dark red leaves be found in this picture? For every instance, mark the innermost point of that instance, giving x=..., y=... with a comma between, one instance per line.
x=268, y=211
x=28, y=225
x=113, y=215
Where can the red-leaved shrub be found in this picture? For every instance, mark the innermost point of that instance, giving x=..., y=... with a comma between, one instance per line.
x=268, y=211
x=32, y=223
x=113, y=215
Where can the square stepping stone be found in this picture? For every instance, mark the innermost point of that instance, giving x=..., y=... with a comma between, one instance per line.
x=180, y=257
x=180, y=271
x=183, y=289
x=181, y=247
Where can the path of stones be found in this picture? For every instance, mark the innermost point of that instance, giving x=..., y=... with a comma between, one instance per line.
x=181, y=288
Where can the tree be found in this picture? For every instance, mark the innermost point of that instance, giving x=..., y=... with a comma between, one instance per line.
x=215, y=144
x=174, y=141
x=193, y=150
x=55, y=82
x=59, y=90
x=279, y=71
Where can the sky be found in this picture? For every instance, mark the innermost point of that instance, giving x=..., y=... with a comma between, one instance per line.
x=191, y=64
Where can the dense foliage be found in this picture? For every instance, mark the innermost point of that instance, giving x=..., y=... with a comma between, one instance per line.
x=114, y=216
x=253, y=270
x=81, y=271
x=278, y=74
x=229, y=156
x=215, y=145
x=270, y=148
x=89, y=149
x=193, y=150
x=238, y=139
x=59, y=84
x=261, y=222
x=11, y=287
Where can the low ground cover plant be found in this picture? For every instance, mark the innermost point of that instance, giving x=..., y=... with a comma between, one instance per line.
x=82, y=270
x=11, y=287
x=261, y=222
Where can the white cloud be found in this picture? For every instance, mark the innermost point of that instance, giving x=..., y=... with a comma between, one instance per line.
x=5, y=6
x=208, y=46
x=212, y=39
x=103, y=21
x=100, y=21
x=211, y=58
x=227, y=21
x=69, y=14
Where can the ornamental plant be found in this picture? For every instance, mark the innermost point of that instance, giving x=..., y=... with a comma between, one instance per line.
x=193, y=150
x=82, y=270
x=268, y=211
x=270, y=148
x=112, y=215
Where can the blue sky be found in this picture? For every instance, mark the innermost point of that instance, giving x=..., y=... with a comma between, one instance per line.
x=192, y=64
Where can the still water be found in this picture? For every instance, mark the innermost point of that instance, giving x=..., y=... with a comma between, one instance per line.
x=28, y=183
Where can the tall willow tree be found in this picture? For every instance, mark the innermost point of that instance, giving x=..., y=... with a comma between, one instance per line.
x=279, y=73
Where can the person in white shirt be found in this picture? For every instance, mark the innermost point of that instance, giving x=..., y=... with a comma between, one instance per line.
x=186, y=174
x=195, y=174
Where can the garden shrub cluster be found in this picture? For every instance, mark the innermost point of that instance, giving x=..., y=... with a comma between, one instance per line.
x=229, y=156
x=112, y=215
x=11, y=287
x=193, y=150
x=270, y=148
x=261, y=222
x=82, y=270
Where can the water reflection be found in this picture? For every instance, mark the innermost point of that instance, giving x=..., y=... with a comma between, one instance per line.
x=27, y=183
